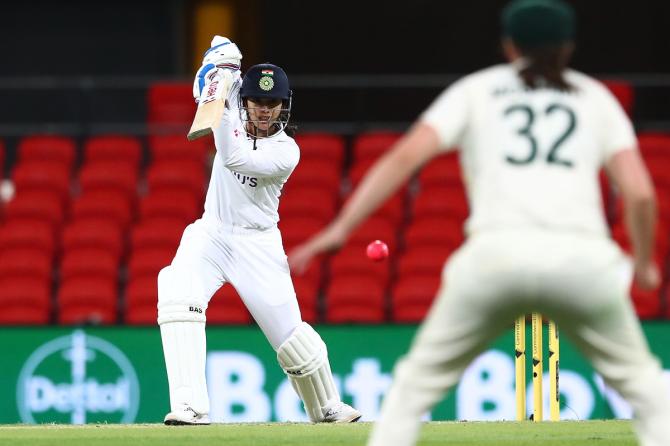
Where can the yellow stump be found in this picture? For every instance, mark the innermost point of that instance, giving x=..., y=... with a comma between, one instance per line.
x=537, y=366
x=520, y=366
x=554, y=352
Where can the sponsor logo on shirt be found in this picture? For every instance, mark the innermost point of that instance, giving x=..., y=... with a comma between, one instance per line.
x=245, y=180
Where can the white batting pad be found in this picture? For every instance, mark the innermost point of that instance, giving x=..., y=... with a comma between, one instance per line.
x=304, y=358
x=184, y=347
x=174, y=303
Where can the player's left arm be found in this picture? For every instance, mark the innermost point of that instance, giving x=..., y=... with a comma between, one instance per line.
x=625, y=167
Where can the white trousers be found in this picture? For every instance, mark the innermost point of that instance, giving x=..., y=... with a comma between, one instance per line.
x=580, y=282
x=254, y=262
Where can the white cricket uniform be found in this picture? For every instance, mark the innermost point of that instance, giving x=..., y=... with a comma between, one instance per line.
x=237, y=239
x=537, y=241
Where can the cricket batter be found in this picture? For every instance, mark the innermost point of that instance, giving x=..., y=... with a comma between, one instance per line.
x=532, y=136
x=237, y=241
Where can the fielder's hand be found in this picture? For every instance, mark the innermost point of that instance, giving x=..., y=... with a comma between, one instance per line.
x=223, y=55
x=328, y=240
x=647, y=275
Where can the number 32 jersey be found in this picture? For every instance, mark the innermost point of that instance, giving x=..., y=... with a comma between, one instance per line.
x=531, y=158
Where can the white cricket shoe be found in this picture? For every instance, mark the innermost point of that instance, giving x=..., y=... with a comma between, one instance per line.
x=341, y=413
x=185, y=416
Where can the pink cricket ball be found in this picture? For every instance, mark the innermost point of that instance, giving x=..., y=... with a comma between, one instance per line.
x=377, y=251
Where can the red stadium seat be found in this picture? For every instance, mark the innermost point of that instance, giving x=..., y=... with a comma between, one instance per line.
x=654, y=145
x=655, y=149
x=375, y=228
x=148, y=262
x=663, y=203
x=89, y=263
x=113, y=148
x=423, y=261
x=177, y=147
x=313, y=275
x=444, y=170
x=296, y=230
x=393, y=209
x=319, y=174
x=109, y=175
x=307, y=292
x=359, y=170
x=226, y=307
x=42, y=205
x=370, y=146
x=27, y=234
x=177, y=204
x=355, y=299
x=662, y=243
x=46, y=148
x=431, y=232
x=412, y=297
x=322, y=146
x=25, y=300
x=352, y=260
x=94, y=234
x=141, y=301
x=659, y=169
x=186, y=175
x=647, y=302
x=110, y=204
x=51, y=176
x=302, y=202
x=87, y=301
x=442, y=201
x=624, y=93
x=170, y=106
x=161, y=233
x=26, y=263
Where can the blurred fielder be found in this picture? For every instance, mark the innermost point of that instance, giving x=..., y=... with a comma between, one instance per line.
x=533, y=136
x=237, y=241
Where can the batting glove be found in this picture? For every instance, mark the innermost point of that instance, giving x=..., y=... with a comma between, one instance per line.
x=223, y=55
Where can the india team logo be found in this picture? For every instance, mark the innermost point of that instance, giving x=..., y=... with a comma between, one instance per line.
x=77, y=379
x=266, y=83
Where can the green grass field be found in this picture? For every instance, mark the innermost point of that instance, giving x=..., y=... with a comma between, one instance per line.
x=610, y=433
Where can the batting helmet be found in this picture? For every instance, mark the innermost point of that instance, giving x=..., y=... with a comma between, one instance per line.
x=266, y=81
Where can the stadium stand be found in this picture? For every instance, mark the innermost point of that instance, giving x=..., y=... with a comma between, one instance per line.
x=120, y=222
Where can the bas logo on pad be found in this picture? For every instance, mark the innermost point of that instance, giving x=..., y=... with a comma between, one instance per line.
x=78, y=379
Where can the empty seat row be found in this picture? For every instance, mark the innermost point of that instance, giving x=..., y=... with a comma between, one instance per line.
x=422, y=225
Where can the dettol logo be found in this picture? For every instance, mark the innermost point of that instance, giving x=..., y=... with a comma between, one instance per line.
x=78, y=379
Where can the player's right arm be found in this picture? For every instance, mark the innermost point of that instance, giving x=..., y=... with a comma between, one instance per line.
x=419, y=145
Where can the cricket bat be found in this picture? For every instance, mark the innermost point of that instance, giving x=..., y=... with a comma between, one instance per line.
x=211, y=105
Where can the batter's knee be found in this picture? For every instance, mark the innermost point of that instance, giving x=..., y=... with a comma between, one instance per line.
x=175, y=297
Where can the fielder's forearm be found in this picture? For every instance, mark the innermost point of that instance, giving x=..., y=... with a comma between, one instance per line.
x=640, y=217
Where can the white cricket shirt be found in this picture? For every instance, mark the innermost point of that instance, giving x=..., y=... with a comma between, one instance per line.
x=531, y=158
x=247, y=180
